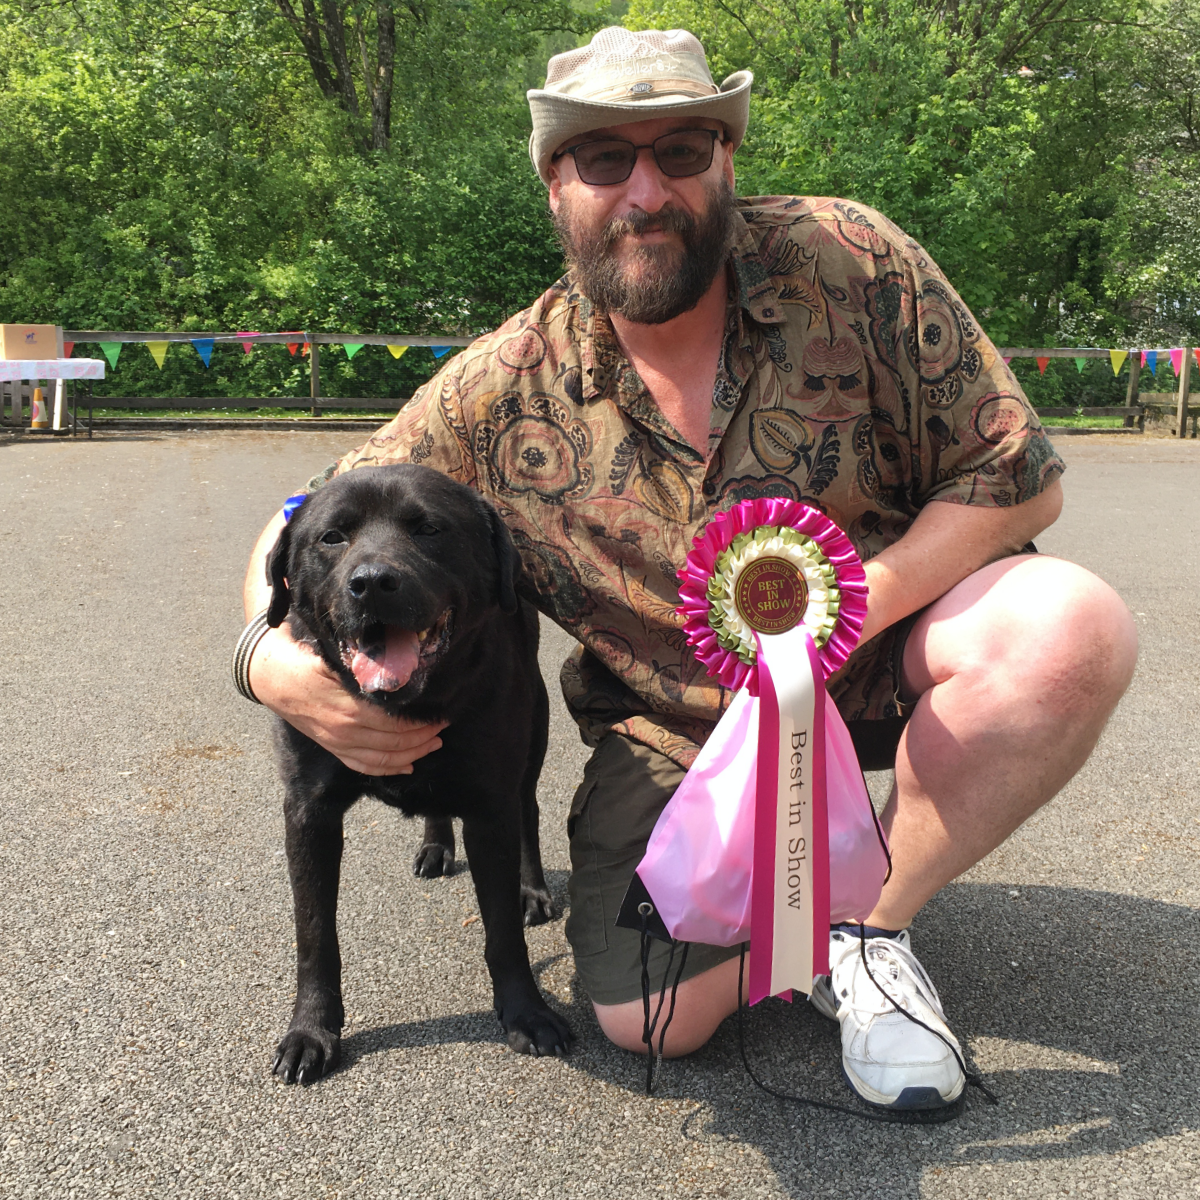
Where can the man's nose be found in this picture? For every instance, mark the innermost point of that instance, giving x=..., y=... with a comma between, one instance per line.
x=647, y=186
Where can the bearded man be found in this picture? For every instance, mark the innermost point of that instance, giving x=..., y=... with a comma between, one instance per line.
x=701, y=350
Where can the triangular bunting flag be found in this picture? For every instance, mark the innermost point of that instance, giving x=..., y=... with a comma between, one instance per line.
x=247, y=346
x=352, y=348
x=1196, y=352
x=440, y=351
x=1150, y=359
x=1118, y=358
x=112, y=351
x=1177, y=360
x=292, y=348
x=304, y=349
x=396, y=351
x=67, y=348
x=1042, y=363
x=1008, y=360
x=204, y=349
x=1080, y=363
x=158, y=351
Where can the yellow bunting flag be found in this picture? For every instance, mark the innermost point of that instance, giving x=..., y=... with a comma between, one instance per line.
x=1118, y=359
x=158, y=351
x=397, y=351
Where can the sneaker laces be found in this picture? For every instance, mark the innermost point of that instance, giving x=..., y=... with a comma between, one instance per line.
x=893, y=960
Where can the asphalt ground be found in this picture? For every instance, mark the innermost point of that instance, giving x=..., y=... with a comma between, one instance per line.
x=146, y=961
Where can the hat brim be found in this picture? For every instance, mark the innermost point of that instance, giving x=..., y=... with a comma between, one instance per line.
x=557, y=118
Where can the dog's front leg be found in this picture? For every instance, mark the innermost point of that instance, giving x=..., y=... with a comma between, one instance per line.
x=494, y=852
x=310, y=1047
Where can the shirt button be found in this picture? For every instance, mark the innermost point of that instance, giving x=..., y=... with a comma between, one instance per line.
x=768, y=312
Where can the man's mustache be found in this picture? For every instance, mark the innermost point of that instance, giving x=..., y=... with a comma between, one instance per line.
x=669, y=220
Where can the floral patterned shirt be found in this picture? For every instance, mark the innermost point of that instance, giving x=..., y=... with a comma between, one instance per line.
x=852, y=377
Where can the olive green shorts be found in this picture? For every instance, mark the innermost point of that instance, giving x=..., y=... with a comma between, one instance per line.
x=625, y=787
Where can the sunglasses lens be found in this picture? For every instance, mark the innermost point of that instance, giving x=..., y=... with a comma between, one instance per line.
x=683, y=154
x=605, y=162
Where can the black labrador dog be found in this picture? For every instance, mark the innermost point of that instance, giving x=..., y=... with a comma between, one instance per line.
x=405, y=583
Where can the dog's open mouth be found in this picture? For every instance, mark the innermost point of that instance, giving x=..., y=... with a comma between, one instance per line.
x=384, y=658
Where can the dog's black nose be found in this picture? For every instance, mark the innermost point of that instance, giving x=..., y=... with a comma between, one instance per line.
x=372, y=579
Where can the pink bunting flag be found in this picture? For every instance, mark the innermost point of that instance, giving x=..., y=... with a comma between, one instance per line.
x=1007, y=360
x=1042, y=363
x=247, y=346
x=1177, y=360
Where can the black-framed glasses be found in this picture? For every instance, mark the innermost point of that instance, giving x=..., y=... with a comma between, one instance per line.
x=611, y=160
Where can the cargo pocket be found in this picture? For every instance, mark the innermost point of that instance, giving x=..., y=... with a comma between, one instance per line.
x=585, y=922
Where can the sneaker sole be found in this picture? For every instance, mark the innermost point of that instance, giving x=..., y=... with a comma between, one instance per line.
x=924, y=1103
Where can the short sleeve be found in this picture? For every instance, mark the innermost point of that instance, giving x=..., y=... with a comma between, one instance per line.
x=976, y=438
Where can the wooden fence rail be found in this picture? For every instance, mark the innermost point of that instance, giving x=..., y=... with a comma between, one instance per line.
x=12, y=406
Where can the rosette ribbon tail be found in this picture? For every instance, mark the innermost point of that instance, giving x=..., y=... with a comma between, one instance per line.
x=789, y=921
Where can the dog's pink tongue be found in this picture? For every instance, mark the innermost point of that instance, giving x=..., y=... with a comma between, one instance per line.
x=394, y=669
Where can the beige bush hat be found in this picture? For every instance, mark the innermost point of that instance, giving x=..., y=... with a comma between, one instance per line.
x=621, y=76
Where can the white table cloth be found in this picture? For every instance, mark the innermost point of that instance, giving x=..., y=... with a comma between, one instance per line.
x=51, y=368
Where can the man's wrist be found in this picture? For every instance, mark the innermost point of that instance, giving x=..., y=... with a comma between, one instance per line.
x=243, y=652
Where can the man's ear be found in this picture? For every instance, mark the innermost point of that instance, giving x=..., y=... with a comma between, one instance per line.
x=508, y=561
x=277, y=563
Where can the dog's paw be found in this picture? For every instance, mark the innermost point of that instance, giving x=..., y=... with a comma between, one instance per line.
x=306, y=1054
x=433, y=859
x=538, y=1031
x=536, y=905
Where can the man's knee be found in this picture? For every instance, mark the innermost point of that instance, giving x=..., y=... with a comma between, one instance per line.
x=701, y=1004
x=1033, y=628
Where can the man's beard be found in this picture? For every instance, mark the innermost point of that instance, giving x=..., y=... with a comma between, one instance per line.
x=658, y=282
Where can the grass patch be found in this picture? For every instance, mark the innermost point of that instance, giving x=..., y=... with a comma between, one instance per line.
x=1083, y=422
x=200, y=414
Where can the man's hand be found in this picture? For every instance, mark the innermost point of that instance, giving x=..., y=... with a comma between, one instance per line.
x=296, y=685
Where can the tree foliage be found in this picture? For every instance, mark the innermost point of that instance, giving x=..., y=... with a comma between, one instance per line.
x=361, y=165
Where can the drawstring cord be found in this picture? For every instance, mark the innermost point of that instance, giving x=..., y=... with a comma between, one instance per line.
x=653, y=1061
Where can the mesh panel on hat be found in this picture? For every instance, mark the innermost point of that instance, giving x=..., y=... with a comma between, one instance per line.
x=615, y=45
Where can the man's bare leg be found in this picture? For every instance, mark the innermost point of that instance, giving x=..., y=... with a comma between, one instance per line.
x=1017, y=670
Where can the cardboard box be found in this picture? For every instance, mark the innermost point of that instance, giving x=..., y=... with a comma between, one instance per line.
x=27, y=342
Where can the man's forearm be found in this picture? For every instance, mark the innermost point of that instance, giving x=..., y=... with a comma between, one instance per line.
x=256, y=591
x=945, y=544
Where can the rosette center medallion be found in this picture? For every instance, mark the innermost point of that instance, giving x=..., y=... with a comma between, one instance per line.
x=771, y=595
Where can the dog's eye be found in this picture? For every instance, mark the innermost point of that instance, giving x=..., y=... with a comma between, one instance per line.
x=425, y=529
x=333, y=537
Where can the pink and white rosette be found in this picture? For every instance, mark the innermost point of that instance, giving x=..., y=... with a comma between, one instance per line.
x=771, y=833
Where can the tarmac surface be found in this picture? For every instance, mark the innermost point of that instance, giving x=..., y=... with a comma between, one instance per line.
x=146, y=962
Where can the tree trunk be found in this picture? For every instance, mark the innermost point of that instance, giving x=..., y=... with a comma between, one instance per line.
x=380, y=82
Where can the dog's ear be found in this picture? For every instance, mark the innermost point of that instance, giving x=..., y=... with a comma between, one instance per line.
x=508, y=561
x=277, y=562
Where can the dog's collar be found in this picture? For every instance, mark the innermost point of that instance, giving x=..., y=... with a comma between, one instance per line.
x=292, y=503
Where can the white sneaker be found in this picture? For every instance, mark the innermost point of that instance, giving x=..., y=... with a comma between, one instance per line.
x=888, y=1059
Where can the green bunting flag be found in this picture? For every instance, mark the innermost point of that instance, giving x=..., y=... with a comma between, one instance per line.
x=1080, y=363
x=112, y=351
x=352, y=348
